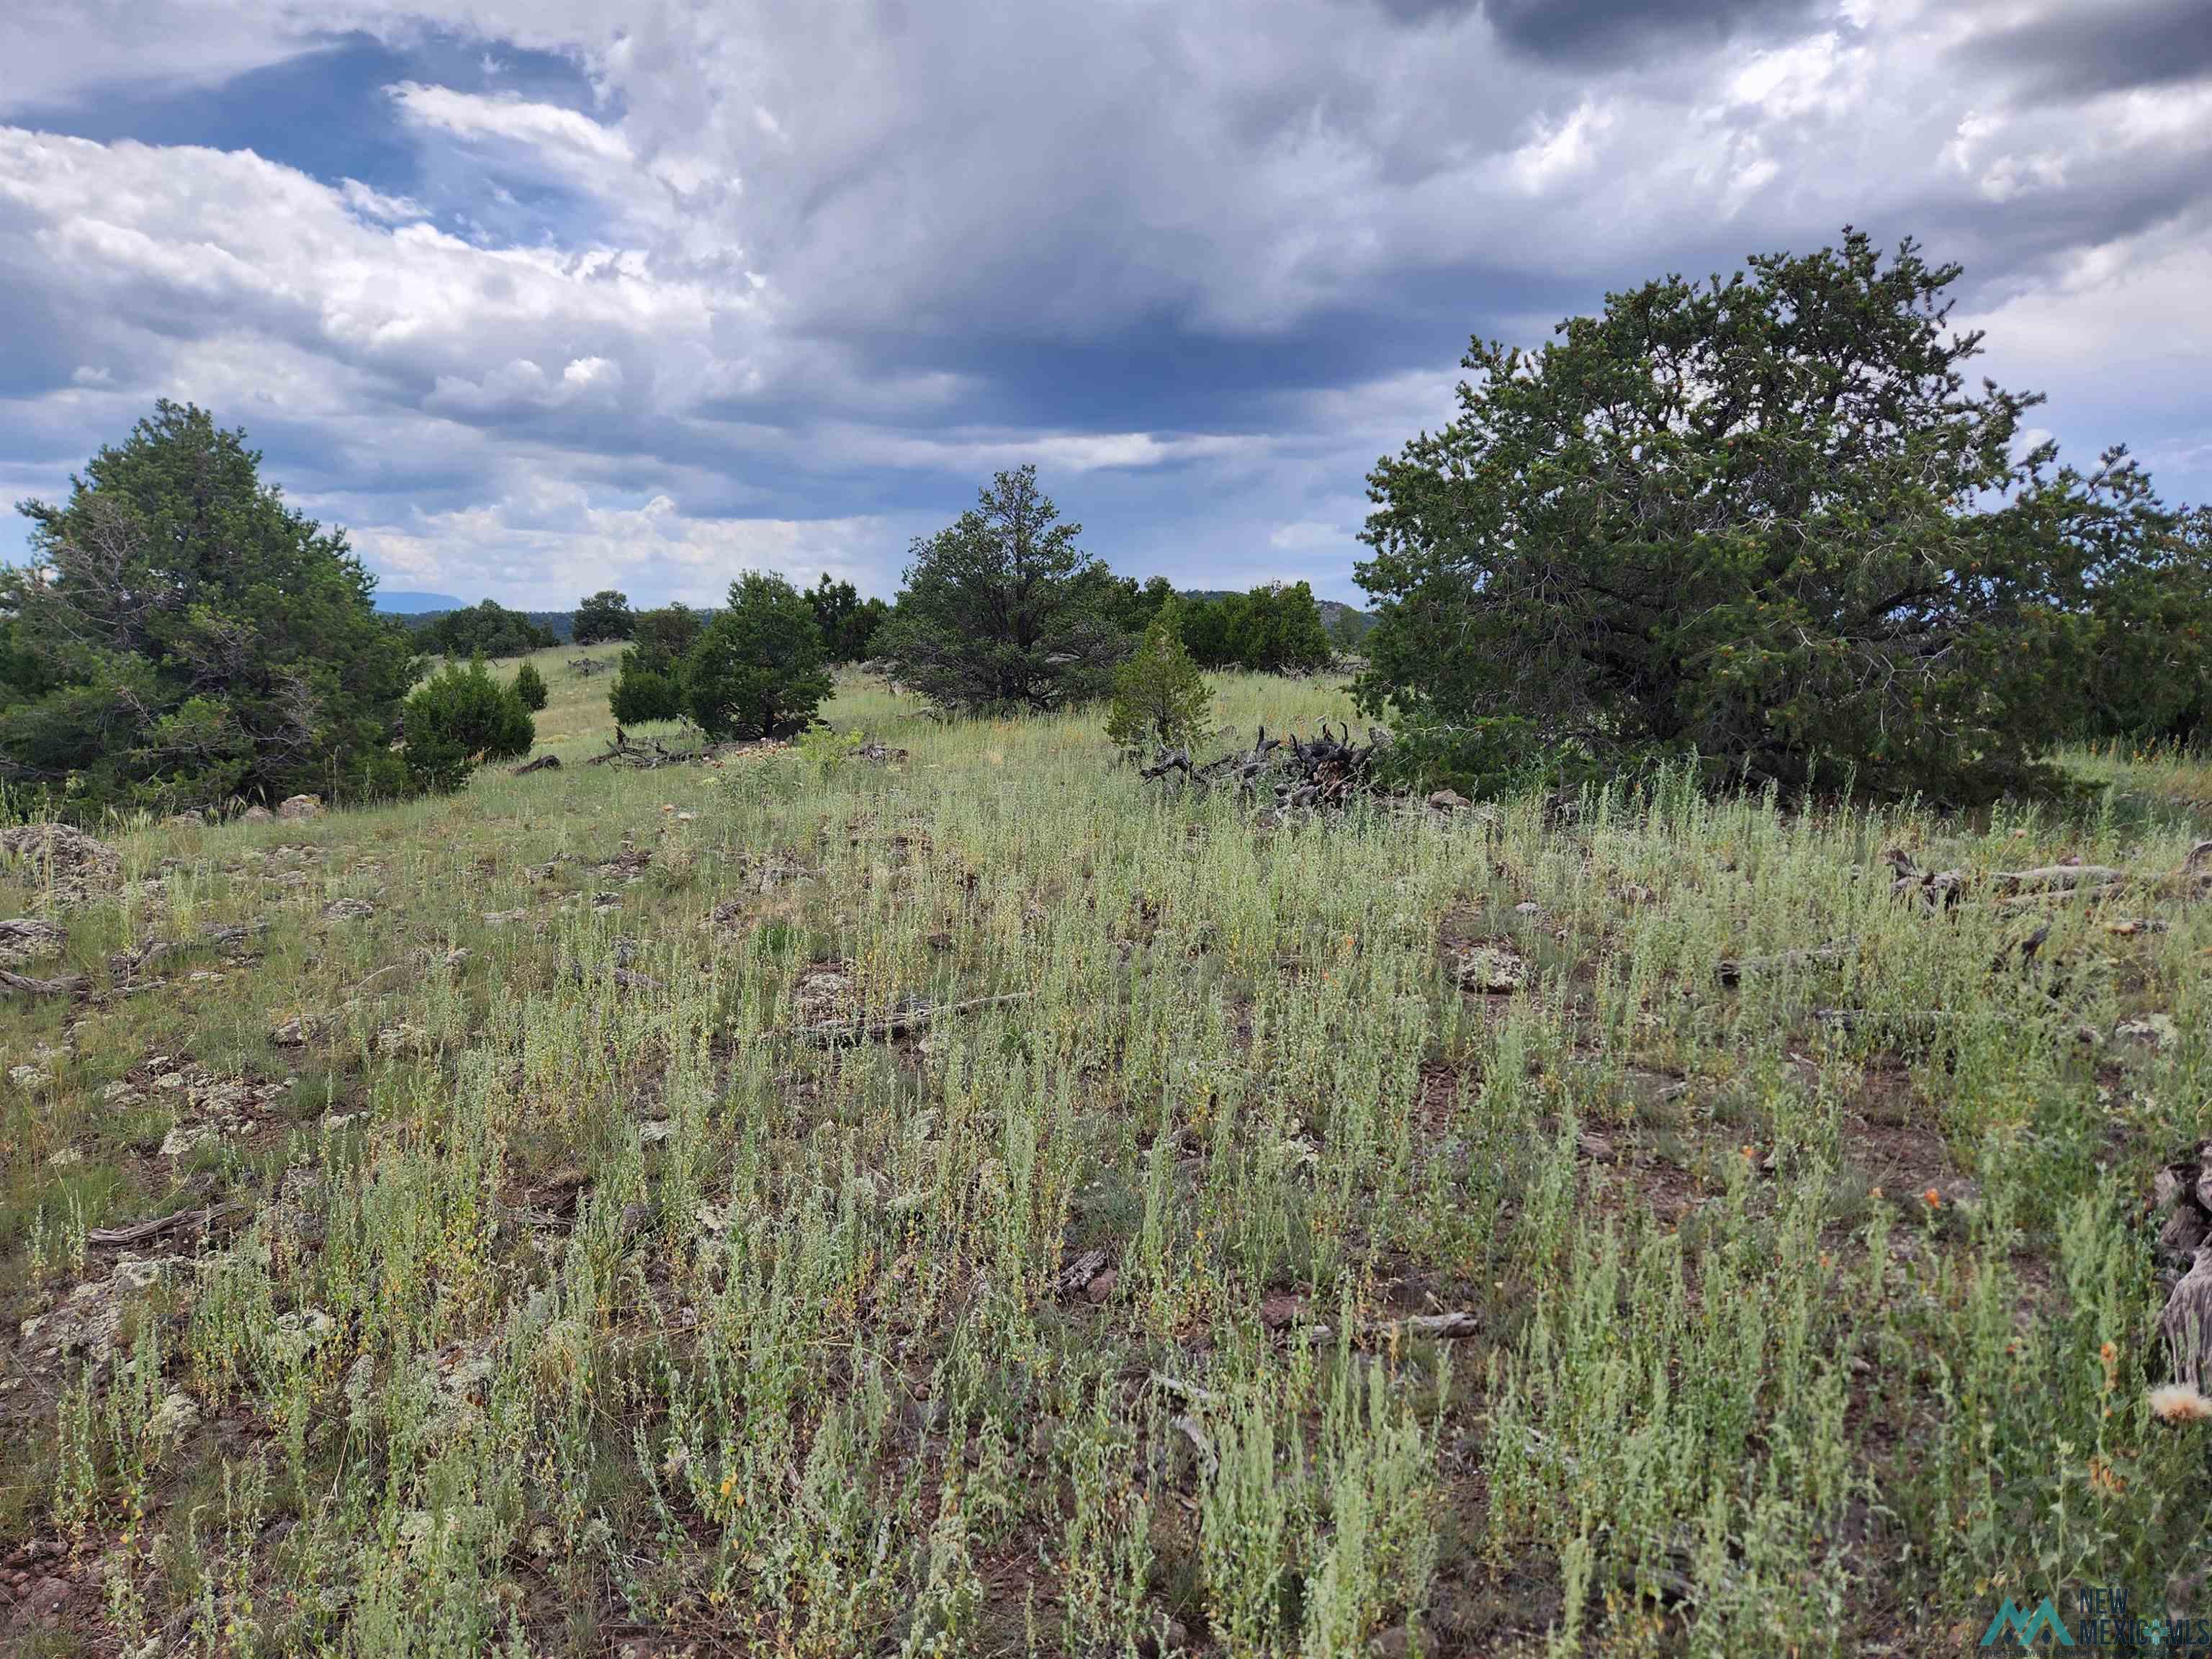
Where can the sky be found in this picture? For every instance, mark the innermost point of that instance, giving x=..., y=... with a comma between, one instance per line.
x=537, y=297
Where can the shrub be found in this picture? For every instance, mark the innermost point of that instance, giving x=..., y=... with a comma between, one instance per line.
x=756, y=670
x=605, y=616
x=181, y=636
x=849, y=623
x=1002, y=611
x=1159, y=695
x=486, y=630
x=460, y=717
x=530, y=687
x=642, y=693
x=1759, y=519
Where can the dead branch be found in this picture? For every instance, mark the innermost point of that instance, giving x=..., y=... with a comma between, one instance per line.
x=543, y=764
x=848, y=1033
x=141, y=1232
x=1732, y=970
x=64, y=984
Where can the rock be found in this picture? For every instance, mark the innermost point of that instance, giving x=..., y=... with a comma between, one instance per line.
x=2158, y=1030
x=1492, y=970
x=1449, y=801
x=43, y=1600
x=256, y=815
x=122, y=1091
x=184, y=1138
x=177, y=1416
x=26, y=939
x=1279, y=1311
x=29, y=1077
x=349, y=910
x=64, y=1158
x=296, y=809
x=65, y=862
x=653, y=1132
x=501, y=918
x=295, y=1032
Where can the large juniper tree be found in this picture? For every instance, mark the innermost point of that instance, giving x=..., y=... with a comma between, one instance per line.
x=180, y=637
x=1763, y=518
x=1003, y=611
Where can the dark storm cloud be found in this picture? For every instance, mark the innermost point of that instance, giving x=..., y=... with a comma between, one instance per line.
x=667, y=284
x=2083, y=49
x=1588, y=31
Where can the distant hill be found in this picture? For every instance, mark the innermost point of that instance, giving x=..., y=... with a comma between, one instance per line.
x=414, y=605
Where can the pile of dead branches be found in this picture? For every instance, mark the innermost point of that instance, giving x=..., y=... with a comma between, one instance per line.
x=2049, y=884
x=1292, y=775
x=647, y=753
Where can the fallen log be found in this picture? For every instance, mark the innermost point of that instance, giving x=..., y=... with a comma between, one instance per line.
x=1731, y=970
x=61, y=985
x=543, y=764
x=849, y=1033
x=143, y=1232
x=125, y=964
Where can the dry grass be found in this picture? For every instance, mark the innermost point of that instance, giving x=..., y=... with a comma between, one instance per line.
x=558, y=1296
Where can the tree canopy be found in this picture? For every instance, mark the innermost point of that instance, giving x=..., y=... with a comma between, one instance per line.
x=1760, y=517
x=1159, y=695
x=847, y=622
x=180, y=637
x=756, y=670
x=486, y=628
x=605, y=616
x=1003, y=611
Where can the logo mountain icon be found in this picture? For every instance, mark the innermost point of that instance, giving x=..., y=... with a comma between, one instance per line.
x=2026, y=1626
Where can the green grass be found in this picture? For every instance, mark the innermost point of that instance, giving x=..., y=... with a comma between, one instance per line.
x=560, y=1313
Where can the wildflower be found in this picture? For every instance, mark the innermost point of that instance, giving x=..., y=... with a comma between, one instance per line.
x=2179, y=1402
x=1933, y=1199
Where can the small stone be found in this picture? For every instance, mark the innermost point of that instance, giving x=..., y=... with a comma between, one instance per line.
x=119, y=1092
x=293, y=1033
x=1279, y=1312
x=1492, y=970
x=348, y=910
x=184, y=1138
x=64, y=1158
x=177, y=1416
x=170, y=1080
x=256, y=815
x=295, y=809
x=29, y=1077
x=653, y=1132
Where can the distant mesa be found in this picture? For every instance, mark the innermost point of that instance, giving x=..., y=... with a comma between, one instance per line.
x=414, y=605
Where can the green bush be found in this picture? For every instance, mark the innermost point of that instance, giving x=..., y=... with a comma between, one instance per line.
x=1003, y=612
x=756, y=670
x=605, y=616
x=486, y=630
x=642, y=693
x=1762, y=520
x=530, y=687
x=457, y=719
x=181, y=637
x=1159, y=695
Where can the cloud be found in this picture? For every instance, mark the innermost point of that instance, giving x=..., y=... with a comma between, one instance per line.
x=810, y=273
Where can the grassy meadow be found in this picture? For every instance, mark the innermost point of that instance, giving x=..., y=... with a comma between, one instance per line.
x=1382, y=1234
